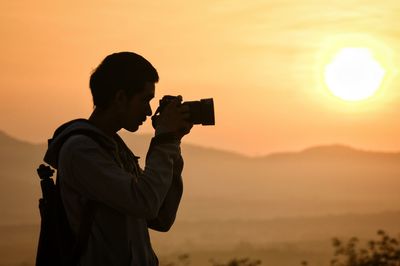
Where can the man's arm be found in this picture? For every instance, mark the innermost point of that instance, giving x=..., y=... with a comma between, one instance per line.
x=166, y=216
x=93, y=173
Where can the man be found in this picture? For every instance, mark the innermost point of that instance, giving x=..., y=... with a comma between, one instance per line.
x=101, y=169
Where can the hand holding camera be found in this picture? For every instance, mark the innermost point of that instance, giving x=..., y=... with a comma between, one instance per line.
x=176, y=116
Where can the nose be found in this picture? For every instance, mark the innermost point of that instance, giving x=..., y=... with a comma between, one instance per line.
x=149, y=112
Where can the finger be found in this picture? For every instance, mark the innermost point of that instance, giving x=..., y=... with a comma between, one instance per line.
x=186, y=130
x=188, y=125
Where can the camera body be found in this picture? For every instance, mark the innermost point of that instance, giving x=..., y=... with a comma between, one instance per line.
x=200, y=112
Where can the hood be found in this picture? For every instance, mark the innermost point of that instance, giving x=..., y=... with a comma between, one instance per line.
x=74, y=127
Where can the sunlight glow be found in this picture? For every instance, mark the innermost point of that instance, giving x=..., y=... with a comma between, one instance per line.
x=354, y=74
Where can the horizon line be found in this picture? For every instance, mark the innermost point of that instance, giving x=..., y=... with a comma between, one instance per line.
x=238, y=153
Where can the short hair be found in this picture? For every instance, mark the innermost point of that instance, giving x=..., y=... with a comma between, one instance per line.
x=125, y=71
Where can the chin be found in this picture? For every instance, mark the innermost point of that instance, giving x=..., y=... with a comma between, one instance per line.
x=132, y=129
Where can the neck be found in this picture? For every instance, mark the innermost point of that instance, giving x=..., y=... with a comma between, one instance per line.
x=105, y=121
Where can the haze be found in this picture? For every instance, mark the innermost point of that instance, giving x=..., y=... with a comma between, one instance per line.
x=256, y=59
x=282, y=208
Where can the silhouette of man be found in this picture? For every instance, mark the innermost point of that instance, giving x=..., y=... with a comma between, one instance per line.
x=128, y=199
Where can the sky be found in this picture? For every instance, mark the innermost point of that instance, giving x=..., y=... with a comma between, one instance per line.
x=261, y=62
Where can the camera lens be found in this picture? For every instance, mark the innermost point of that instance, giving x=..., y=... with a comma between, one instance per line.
x=201, y=112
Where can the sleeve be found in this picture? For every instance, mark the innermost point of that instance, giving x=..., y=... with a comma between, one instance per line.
x=91, y=171
x=166, y=216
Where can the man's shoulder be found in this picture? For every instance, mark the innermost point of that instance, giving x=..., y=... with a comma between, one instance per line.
x=82, y=143
x=82, y=152
x=79, y=139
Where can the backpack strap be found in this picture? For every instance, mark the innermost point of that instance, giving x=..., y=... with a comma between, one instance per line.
x=85, y=227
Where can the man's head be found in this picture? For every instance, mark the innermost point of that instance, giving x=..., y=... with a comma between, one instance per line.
x=124, y=71
x=123, y=83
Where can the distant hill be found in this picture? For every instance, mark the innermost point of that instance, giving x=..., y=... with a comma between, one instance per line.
x=221, y=185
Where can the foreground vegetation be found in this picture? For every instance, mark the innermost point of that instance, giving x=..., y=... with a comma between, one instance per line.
x=384, y=251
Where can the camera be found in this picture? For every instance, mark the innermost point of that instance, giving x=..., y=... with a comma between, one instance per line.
x=200, y=112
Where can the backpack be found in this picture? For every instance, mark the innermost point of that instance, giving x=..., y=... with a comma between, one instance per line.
x=57, y=245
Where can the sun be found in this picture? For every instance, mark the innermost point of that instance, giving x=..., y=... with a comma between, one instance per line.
x=354, y=74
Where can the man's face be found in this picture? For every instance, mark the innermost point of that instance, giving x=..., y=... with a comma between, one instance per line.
x=137, y=108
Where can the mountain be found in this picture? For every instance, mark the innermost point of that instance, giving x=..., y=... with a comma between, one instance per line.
x=19, y=187
x=221, y=185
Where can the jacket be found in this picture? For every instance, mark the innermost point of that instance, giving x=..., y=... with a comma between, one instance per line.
x=129, y=200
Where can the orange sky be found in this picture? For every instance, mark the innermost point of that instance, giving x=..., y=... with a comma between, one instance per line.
x=259, y=60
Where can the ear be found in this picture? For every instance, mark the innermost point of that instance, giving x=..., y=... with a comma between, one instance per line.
x=120, y=98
